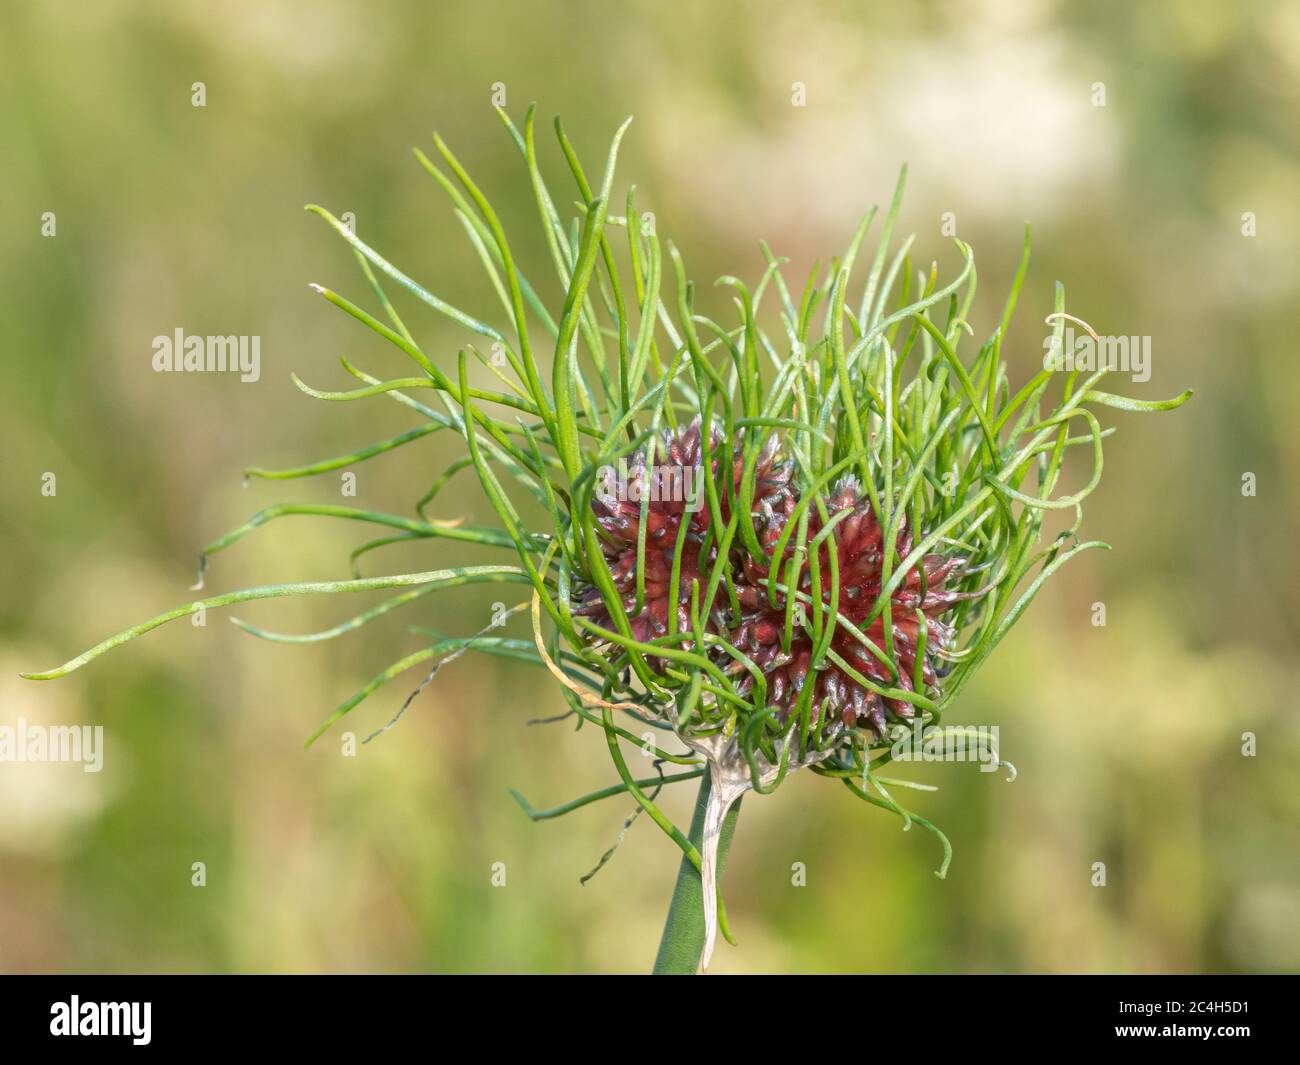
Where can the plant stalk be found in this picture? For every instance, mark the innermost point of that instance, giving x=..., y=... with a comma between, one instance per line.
x=683, y=938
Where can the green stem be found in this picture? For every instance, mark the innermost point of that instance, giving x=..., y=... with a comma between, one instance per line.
x=683, y=938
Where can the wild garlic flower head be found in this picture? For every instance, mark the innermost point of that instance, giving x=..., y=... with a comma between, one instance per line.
x=833, y=559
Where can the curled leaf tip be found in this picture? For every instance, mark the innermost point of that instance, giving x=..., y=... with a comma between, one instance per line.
x=1108, y=399
x=524, y=804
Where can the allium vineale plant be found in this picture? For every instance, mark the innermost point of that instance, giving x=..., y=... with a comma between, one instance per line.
x=776, y=540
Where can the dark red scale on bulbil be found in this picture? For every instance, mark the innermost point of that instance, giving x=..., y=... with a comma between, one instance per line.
x=677, y=494
x=859, y=545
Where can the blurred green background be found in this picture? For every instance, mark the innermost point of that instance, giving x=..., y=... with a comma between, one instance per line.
x=1127, y=737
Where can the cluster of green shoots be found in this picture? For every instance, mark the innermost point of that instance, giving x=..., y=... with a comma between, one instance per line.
x=866, y=371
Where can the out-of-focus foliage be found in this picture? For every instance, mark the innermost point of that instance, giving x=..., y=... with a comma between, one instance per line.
x=1127, y=737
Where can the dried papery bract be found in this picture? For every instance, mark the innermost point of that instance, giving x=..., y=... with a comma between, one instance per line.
x=731, y=775
x=864, y=521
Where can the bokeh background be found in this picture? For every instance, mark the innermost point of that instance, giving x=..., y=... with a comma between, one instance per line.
x=1128, y=737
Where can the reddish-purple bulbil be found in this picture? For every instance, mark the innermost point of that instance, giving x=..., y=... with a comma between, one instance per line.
x=674, y=482
x=919, y=600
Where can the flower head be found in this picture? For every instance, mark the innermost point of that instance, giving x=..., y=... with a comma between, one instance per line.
x=818, y=624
